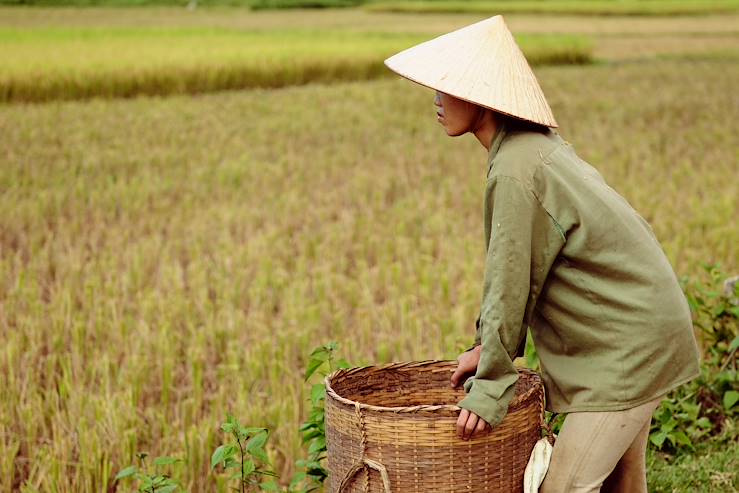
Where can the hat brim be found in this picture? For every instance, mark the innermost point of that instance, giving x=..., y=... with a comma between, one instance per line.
x=553, y=124
x=481, y=64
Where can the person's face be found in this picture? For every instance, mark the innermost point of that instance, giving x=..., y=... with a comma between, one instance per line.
x=456, y=115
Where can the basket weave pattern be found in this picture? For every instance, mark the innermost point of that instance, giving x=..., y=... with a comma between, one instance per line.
x=392, y=428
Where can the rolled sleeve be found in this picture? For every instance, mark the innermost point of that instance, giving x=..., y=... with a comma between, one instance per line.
x=520, y=233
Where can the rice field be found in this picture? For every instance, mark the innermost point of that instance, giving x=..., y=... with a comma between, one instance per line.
x=47, y=63
x=165, y=260
x=360, y=20
x=161, y=51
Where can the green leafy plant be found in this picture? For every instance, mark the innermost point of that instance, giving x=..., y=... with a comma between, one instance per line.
x=715, y=310
x=245, y=454
x=246, y=451
x=310, y=473
x=151, y=482
x=677, y=423
x=706, y=406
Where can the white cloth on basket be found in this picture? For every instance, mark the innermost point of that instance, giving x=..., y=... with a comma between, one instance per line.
x=537, y=467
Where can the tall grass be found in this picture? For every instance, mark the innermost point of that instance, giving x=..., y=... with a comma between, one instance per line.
x=163, y=261
x=560, y=7
x=47, y=64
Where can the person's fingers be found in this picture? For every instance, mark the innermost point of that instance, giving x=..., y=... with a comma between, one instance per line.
x=470, y=425
x=456, y=376
x=469, y=428
x=464, y=367
x=461, y=422
x=480, y=428
x=459, y=373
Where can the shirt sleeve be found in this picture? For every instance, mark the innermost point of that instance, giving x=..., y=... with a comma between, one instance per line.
x=522, y=244
x=521, y=351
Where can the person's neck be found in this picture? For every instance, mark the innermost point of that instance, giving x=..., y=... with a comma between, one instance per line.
x=485, y=127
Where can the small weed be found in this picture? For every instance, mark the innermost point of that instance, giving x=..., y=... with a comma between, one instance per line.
x=245, y=454
x=706, y=406
x=247, y=442
x=151, y=482
x=310, y=472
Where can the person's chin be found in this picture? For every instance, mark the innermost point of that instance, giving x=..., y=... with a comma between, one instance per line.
x=453, y=132
x=449, y=132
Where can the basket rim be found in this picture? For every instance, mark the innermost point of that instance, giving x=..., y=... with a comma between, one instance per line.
x=422, y=407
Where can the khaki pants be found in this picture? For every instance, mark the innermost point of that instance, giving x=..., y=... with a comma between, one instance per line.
x=605, y=450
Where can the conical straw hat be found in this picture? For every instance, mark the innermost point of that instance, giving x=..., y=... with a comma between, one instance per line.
x=480, y=63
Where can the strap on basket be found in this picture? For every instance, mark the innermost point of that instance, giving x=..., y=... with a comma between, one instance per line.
x=546, y=424
x=362, y=464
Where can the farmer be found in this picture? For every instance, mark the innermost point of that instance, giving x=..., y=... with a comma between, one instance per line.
x=567, y=257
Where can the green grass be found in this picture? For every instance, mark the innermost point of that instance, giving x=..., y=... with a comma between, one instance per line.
x=561, y=7
x=46, y=64
x=165, y=260
x=711, y=469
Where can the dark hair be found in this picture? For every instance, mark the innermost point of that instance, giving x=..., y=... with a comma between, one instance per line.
x=517, y=124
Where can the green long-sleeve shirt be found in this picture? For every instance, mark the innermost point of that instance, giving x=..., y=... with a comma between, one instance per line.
x=569, y=257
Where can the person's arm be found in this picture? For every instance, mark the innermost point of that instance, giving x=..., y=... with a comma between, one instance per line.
x=521, y=351
x=523, y=243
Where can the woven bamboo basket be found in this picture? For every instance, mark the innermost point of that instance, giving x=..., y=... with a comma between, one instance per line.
x=392, y=428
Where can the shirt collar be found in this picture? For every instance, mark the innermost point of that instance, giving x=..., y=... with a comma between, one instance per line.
x=498, y=137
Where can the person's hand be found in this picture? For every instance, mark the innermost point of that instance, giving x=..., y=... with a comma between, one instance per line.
x=470, y=425
x=467, y=366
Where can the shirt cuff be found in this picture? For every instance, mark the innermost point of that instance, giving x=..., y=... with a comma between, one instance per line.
x=480, y=400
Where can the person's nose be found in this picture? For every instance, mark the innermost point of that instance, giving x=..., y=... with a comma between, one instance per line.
x=437, y=100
